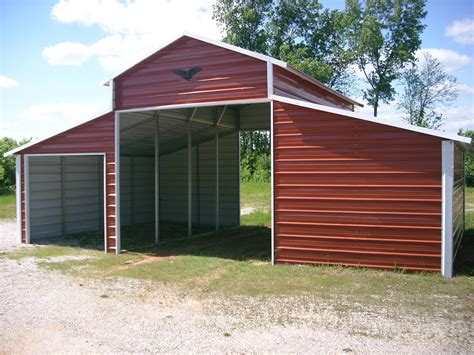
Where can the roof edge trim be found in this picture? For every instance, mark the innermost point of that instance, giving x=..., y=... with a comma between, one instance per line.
x=39, y=140
x=431, y=132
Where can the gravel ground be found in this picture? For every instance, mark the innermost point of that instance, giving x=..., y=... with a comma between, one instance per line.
x=43, y=311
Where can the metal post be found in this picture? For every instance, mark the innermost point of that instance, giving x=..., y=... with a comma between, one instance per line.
x=217, y=177
x=190, y=192
x=117, y=184
x=447, y=155
x=18, y=197
x=157, y=178
x=27, y=197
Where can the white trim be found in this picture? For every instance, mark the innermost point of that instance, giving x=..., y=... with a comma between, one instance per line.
x=18, y=196
x=431, y=132
x=196, y=105
x=61, y=154
x=447, y=154
x=117, y=183
x=157, y=178
x=112, y=88
x=36, y=141
x=272, y=168
x=269, y=80
x=104, y=173
x=240, y=188
x=27, y=199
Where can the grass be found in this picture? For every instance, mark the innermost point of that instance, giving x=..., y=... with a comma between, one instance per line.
x=237, y=263
x=7, y=206
x=256, y=195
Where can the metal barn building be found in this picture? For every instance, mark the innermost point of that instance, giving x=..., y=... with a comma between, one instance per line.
x=346, y=189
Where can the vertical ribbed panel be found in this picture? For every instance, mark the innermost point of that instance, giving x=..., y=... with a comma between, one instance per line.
x=353, y=192
x=224, y=75
x=94, y=136
x=458, y=198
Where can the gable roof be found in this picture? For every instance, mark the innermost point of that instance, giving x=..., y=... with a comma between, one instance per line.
x=249, y=53
x=405, y=126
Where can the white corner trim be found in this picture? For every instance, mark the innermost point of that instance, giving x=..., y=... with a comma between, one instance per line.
x=269, y=80
x=104, y=183
x=117, y=184
x=18, y=197
x=27, y=198
x=447, y=154
x=272, y=182
x=338, y=111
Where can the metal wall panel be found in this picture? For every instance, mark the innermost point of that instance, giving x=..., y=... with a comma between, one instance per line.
x=225, y=75
x=255, y=117
x=137, y=190
x=173, y=183
x=291, y=85
x=458, y=198
x=64, y=195
x=95, y=136
x=354, y=192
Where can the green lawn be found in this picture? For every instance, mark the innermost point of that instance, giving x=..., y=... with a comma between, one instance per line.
x=256, y=195
x=7, y=206
x=237, y=263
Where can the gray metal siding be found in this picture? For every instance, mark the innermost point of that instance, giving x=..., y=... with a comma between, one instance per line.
x=66, y=195
x=458, y=198
x=173, y=183
x=137, y=190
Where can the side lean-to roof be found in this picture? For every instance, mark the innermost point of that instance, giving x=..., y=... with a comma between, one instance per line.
x=275, y=62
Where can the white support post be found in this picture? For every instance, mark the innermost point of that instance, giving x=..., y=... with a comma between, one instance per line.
x=104, y=176
x=18, y=196
x=27, y=199
x=157, y=178
x=190, y=187
x=217, y=177
x=447, y=154
x=117, y=184
x=269, y=80
x=272, y=179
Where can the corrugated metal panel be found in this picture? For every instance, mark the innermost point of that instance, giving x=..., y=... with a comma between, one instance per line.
x=458, y=198
x=290, y=85
x=354, y=192
x=95, y=136
x=255, y=117
x=137, y=190
x=173, y=183
x=224, y=75
x=65, y=195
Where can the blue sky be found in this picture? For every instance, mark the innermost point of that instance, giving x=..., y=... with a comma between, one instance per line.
x=54, y=55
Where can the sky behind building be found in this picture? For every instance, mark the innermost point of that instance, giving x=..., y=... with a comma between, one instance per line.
x=55, y=55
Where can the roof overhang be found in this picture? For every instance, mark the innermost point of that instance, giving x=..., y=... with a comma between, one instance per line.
x=465, y=141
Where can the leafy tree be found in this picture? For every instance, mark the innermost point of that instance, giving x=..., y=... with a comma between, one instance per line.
x=299, y=32
x=7, y=164
x=384, y=36
x=468, y=158
x=426, y=88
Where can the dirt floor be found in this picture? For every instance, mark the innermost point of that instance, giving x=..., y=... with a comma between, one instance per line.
x=45, y=311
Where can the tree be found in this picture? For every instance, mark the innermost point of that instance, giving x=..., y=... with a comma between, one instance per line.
x=299, y=32
x=384, y=36
x=427, y=87
x=468, y=158
x=7, y=164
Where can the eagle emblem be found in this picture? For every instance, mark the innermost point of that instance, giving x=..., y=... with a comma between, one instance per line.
x=187, y=75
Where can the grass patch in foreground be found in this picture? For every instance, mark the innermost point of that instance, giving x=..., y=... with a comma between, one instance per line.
x=255, y=194
x=7, y=206
x=256, y=218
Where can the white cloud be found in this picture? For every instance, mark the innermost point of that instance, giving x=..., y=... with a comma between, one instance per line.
x=61, y=114
x=451, y=60
x=462, y=31
x=133, y=29
x=6, y=82
x=465, y=89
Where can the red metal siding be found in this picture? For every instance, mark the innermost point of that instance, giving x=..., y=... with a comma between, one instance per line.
x=290, y=85
x=225, y=75
x=95, y=136
x=353, y=192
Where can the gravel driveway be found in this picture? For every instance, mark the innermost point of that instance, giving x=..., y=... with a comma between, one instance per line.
x=43, y=311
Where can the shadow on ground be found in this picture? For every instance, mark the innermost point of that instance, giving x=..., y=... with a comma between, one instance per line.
x=464, y=265
x=242, y=243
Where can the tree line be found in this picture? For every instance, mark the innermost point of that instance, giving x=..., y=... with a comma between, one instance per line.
x=376, y=39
